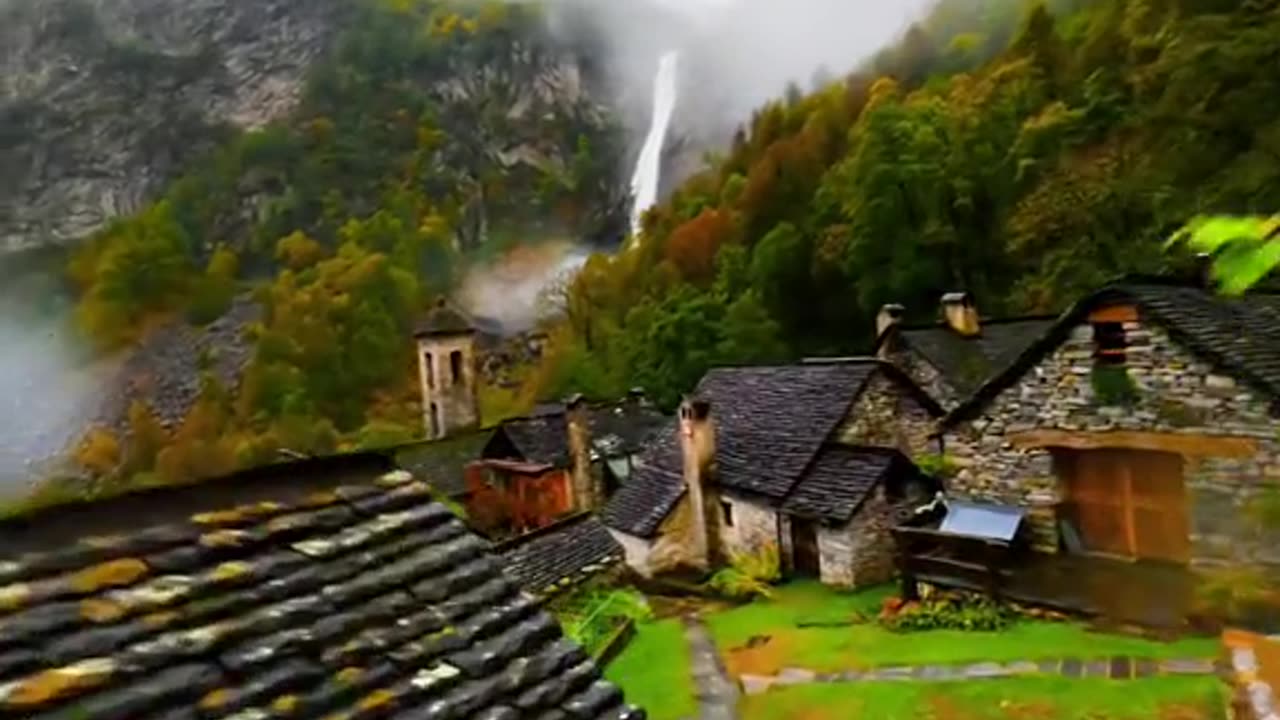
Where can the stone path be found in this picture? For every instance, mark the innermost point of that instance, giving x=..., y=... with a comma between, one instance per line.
x=1116, y=668
x=716, y=692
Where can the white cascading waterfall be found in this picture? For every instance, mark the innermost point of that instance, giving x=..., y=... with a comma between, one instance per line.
x=648, y=175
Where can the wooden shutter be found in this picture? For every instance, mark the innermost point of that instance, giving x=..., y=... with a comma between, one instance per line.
x=1128, y=502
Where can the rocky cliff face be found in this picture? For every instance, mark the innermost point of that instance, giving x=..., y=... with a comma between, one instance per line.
x=103, y=101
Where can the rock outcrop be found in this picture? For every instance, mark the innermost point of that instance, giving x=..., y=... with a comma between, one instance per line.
x=102, y=102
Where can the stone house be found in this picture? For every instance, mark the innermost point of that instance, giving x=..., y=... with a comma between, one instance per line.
x=812, y=460
x=953, y=357
x=1143, y=423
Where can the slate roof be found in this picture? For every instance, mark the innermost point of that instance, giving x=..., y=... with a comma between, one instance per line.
x=770, y=422
x=442, y=463
x=542, y=438
x=654, y=488
x=444, y=319
x=967, y=362
x=624, y=428
x=839, y=480
x=1240, y=336
x=616, y=429
x=367, y=601
x=544, y=561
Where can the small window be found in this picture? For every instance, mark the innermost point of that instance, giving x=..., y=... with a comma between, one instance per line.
x=435, y=420
x=429, y=362
x=726, y=512
x=455, y=366
x=1108, y=343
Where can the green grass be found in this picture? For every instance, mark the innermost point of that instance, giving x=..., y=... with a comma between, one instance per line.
x=653, y=671
x=1015, y=699
x=869, y=645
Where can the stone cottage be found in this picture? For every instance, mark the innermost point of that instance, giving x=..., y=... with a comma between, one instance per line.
x=1141, y=424
x=951, y=358
x=812, y=460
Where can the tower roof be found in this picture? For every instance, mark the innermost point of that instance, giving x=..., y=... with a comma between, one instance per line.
x=444, y=319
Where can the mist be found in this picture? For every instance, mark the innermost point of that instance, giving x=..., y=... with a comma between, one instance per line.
x=735, y=54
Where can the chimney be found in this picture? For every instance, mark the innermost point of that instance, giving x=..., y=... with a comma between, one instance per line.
x=588, y=493
x=698, y=447
x=636, y=396
x=1202, y=272
x=961, y=314
x=889, y=316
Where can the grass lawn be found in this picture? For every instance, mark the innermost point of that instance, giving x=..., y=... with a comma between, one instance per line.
x=1162, y=698
x=868, y=645
x=653, y=671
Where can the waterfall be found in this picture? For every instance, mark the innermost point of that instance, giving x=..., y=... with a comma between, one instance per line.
x=644, y=184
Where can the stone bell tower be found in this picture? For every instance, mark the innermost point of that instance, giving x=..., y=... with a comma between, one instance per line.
x=447, y=371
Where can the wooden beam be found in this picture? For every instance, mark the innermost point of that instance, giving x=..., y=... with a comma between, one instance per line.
x=1186, y=444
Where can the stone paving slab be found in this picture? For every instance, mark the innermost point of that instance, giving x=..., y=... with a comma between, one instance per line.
x=1116, y=668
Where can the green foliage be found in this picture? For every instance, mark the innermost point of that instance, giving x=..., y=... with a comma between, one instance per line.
x=749, y=574
x=1024, y=152
x=945, y=613
x=1245, y=249
x=938, y=465
x=1112, y=385
x=592, y=614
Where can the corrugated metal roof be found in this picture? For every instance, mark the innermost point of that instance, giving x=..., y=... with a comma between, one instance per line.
x=994, y=522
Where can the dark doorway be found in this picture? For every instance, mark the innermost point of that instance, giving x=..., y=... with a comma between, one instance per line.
x=804, y=543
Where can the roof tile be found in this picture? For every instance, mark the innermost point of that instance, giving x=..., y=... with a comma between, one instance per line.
x=372, y=602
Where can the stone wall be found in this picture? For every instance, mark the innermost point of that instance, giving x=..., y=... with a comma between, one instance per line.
x=861, y=552
x=886, y=415
x=1177, y=394
x=671, y=548
x=755, y=527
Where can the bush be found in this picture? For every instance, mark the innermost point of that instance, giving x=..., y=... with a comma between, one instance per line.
x=945, y=613
x=749, y=575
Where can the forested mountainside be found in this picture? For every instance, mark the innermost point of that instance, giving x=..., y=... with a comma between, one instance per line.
x=266, y=298
x=102, y=103
x=1024, y=152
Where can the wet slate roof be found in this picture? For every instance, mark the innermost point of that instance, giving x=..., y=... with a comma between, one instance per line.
x=654, y=488
x=547, y=560
x=839, y=480
x=967, y=362
x=617, y=429
x=1240, y=336
x=444, y=319
x=770, y=422
x=367, y=601
x=541, y=438
x=442, y=463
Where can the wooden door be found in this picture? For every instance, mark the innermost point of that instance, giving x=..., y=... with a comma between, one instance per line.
x=804, y=543
x=1128, y=502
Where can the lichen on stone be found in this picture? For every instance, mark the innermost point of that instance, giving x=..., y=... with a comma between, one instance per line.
x=114, y=573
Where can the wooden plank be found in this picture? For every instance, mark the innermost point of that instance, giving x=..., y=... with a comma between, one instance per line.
x=1187, y=444
x=1114, y=314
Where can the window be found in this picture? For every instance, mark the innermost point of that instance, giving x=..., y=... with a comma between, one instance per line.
x=455, y=366
x=435, y=420
x=1108, y=343
x=428, y=361
x=726, y=512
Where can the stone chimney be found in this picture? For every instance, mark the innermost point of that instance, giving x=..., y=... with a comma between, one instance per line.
x=961, y=314
x=889, y=316
x=636, y=396
x=698, y=447
x=588, y=493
